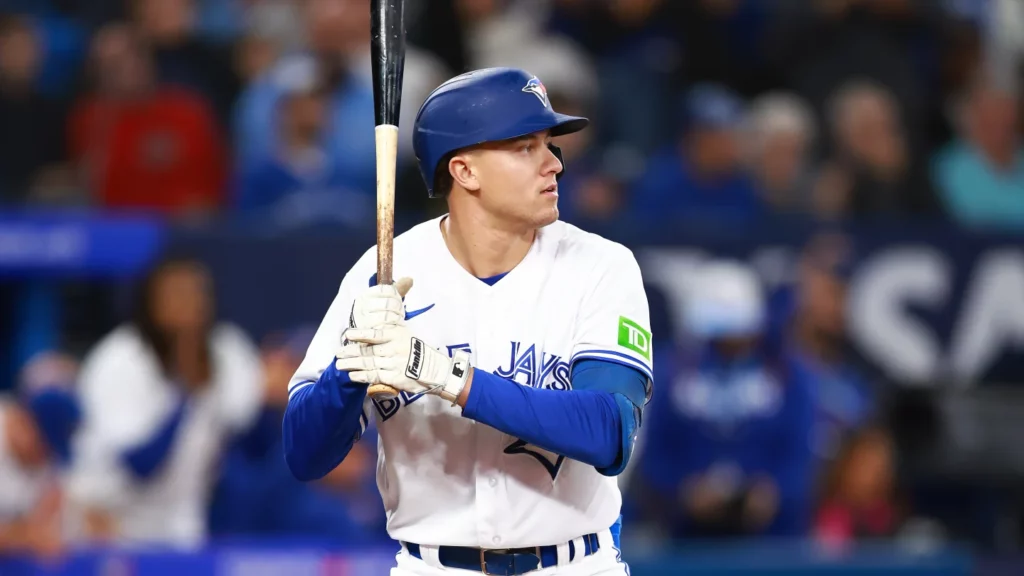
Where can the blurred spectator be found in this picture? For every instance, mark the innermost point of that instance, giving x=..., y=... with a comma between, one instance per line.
x=817, y=46
x=255, y=55
x=345, y=506
x=859, y=499
x=220, y=20
x=586, y=190
x=963, y=54
x=32, y=137
x=512, y=33
x=636, y=51
x=36, y=426
x=702, y=175
x=780, y=136
x=299, y=182
x=181, y=58
x=815, y=335
x=647, y=49
x=225, y=21
x=422, y=74
x=272, y=28
x=162, y=395
x=726, y=449
x=1004, y=23
x=338, y=37
x=141, y=145
x=871, y=171
x=981, y=174
x=330, y=26
x=495, y=29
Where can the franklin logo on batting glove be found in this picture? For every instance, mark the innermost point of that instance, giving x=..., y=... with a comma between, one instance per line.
x=413, y=370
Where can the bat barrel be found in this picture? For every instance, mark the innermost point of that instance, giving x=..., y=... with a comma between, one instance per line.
x=388, y=52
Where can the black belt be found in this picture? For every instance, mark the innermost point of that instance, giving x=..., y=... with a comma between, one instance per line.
x=505, y=562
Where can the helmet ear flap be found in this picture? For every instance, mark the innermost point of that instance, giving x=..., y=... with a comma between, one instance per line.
x=558, y=154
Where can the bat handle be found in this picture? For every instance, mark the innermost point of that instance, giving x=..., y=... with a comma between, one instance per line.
x=386, y=137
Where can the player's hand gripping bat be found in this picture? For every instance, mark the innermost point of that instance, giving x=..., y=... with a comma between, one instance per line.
x=387, y=41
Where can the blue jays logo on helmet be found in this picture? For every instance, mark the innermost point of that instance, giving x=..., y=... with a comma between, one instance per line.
x=536, y=87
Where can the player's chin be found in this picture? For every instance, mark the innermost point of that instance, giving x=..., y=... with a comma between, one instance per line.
x=546, y=215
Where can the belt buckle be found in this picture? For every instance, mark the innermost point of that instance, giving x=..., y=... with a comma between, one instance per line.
x=483, y=558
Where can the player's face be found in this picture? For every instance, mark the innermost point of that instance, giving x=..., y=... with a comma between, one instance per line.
x=516, y=180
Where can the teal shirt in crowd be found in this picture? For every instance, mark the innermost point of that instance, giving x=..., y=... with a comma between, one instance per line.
x=977, y=195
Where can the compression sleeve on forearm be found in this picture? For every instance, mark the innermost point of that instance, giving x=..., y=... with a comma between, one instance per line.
x=580, y=424
x=321, y=423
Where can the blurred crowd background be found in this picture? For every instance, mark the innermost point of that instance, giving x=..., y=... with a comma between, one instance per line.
x=826, y=198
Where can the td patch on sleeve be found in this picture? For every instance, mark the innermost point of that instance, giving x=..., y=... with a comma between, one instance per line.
x=633, y=336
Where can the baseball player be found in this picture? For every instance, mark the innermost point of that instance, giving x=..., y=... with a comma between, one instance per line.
x=521, y=357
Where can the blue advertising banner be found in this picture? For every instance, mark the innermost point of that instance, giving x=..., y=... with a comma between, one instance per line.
x=45, y=244
x=924, y=304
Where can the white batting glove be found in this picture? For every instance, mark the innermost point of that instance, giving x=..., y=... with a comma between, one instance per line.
x=380, y=305
x=392, y=356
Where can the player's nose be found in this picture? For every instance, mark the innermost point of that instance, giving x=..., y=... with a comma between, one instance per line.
x=552, y=162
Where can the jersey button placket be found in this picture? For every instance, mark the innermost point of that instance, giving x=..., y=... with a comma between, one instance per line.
x=488, y=440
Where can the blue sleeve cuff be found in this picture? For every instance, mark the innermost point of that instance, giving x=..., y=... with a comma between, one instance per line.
x=607, y=358
x=629, y=387
x=321, y=423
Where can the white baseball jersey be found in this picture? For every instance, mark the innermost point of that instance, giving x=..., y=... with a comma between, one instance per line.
x=126, y=399
x=448, y=480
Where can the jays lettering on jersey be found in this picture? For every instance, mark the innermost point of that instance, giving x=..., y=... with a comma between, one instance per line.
x=575, y=295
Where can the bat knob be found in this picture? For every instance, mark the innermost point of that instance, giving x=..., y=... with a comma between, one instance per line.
x=382, y=391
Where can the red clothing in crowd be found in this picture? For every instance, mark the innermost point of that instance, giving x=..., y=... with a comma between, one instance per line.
x=839, y=523
x=163, y=152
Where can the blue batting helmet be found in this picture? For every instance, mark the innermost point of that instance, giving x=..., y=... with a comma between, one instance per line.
x=483, y=106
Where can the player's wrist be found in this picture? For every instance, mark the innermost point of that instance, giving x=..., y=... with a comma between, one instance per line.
x=443, y=376
x=463, y=398
x=455, y=380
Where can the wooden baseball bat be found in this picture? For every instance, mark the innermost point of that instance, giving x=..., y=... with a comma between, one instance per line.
x=387, y=41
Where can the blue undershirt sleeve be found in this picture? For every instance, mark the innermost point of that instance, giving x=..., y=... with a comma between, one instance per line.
x=585, y=424
x=321, y=424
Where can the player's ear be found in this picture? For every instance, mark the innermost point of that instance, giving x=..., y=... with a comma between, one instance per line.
x=463, y=173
